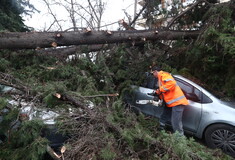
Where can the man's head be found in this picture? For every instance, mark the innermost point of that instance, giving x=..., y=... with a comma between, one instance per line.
x=155, y=70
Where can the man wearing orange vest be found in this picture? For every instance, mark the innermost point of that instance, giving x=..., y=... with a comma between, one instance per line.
x=173, y=97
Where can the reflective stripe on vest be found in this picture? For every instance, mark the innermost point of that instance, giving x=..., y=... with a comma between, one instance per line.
x=165, y=89
x=174, y=100
x=168, y=80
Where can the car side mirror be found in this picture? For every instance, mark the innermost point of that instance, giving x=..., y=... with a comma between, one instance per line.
x=192, y=96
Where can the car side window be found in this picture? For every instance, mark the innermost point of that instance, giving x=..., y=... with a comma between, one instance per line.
x=190, y=91
x=206, y=99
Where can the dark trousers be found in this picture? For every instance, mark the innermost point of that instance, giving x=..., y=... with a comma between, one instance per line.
x=173, y=115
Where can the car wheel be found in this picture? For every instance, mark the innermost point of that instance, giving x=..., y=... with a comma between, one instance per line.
x=221, y=136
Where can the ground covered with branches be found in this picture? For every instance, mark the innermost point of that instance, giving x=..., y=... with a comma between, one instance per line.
x=117, y=133
x=88, y=95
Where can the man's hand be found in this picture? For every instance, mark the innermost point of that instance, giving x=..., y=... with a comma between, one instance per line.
x=158, y=92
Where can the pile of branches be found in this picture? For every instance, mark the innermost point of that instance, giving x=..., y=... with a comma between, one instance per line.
x=100, y=134
x=109, y=130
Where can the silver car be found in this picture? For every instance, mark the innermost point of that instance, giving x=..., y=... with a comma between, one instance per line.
x=206, y=116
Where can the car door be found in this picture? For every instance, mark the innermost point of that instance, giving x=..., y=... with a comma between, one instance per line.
x=141, y=93
x=193, y=112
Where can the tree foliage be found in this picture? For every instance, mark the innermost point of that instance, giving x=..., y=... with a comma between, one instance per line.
x=211, y=57
x=10, y=14
x=25, y=143
x=19, y=140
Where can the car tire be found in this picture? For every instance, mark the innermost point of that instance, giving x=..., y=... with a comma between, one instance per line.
x=221, y=136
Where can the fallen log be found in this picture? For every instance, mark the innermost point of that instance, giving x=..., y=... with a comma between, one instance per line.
x=72, y=100
x=37, y=40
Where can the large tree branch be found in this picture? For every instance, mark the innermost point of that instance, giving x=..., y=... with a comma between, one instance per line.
x=33, y=40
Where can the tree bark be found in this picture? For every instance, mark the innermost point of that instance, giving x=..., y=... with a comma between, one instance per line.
x=34, y=40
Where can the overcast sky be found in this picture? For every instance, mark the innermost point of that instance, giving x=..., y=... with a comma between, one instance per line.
x=113, y=13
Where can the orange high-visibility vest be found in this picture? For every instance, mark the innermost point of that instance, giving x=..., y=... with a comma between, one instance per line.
x=171, y=92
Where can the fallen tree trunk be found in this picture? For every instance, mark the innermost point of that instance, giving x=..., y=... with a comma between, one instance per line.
x=34, y=40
